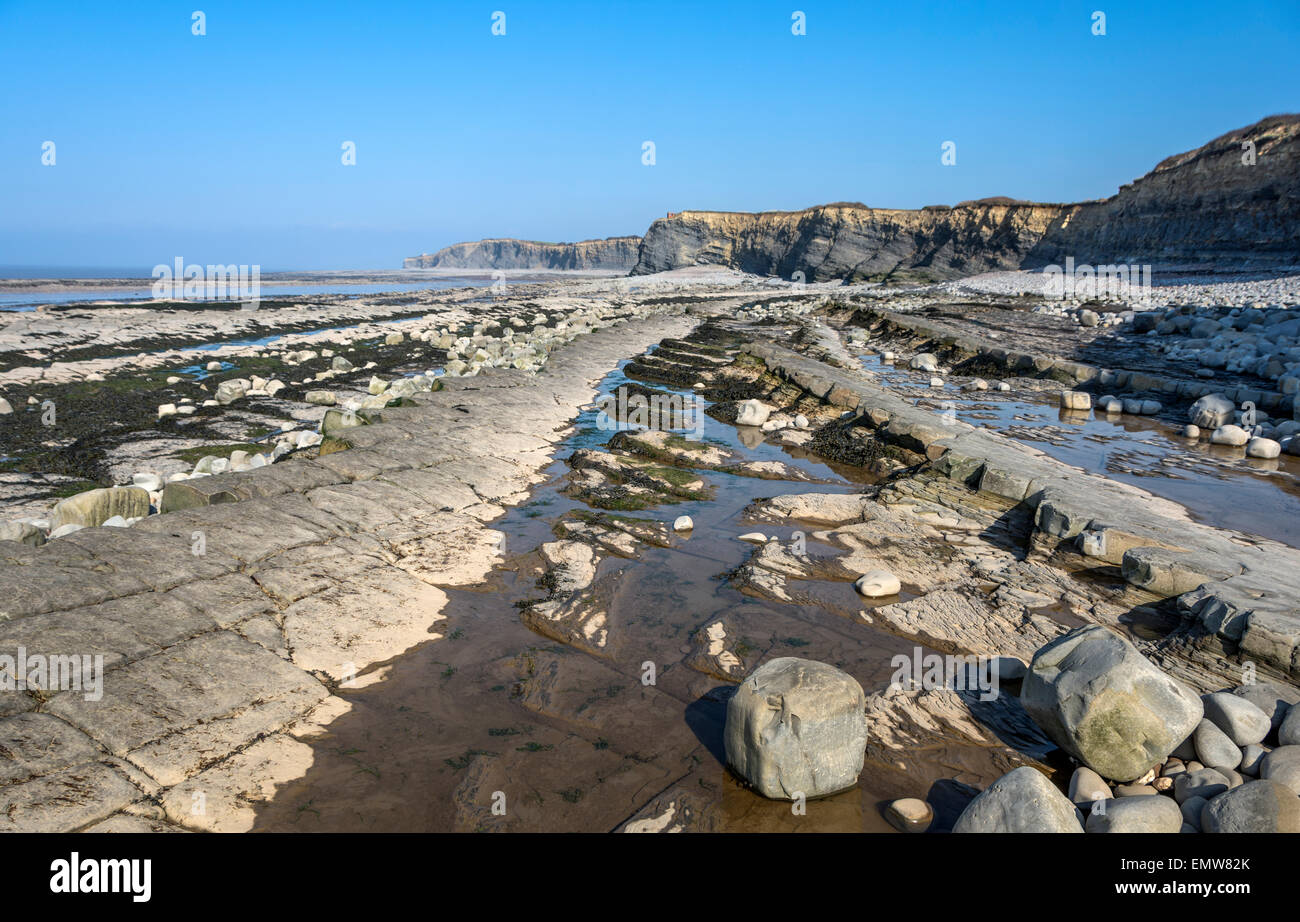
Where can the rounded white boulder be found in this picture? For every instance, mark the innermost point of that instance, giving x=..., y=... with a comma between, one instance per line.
x=877, y=584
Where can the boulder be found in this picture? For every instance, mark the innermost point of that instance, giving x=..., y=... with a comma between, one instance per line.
x=683, y=523
x=1137, y=814
x=1256, y=806
x=1241, y=721
x=1086, y=786
x=230, y=391
x=752, y=413
x=797, y=727
x=93, y=507
x=924, y=362
x=1252, y=759
x=1075, y=400
x=1200, y=782
x=1283, y=766
x=877, y=584
x=1214, y=747
x=1267, y=449
x=1106, y=704
x=1022, y=800
x=1191, y=809
x=1288, y=731
x=1232, y=436
x=1211, y=411
x=1273, y=700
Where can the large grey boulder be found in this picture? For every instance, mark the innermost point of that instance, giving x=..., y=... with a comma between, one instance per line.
x=94, y=507
x=1288, y=731
x=1243, y=722
x=1211, y=411
x=1202, y=782
x=1273, y=700
x=796, y=726
x=1283, y=766
x=1136, y=814
x=1214, y=748
x=1022, y=800
x=1106, y=704
x=1256, y=806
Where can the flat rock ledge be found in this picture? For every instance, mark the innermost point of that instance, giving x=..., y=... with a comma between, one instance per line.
x=1239, y=588
x=226, y=627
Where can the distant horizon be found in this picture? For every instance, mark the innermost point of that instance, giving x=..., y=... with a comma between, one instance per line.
x=229, y=146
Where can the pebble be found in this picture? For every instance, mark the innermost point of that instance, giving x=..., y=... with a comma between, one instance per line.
x=1203, y=782
x=1251, y=758
x=1191, y=809
x=1134, y=790
x=909, y=815
x=1086, y=786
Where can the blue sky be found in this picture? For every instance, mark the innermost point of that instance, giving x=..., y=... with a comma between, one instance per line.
x=226, y=147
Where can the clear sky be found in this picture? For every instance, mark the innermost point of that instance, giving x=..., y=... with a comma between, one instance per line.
x=226, y=147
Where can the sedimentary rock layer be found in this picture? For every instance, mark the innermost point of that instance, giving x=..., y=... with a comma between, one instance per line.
x=506, y=253
x=226, y=628
x=851, y=241
x=1237, y=589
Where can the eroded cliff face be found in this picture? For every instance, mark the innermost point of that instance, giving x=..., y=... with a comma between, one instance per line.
x=1206, y=207
x=1233, y=202
x=852, y=241
x=505, y=253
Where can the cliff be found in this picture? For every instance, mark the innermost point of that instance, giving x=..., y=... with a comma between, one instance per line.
x=505, y=253
x=1205, y=207
x=852, y=241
